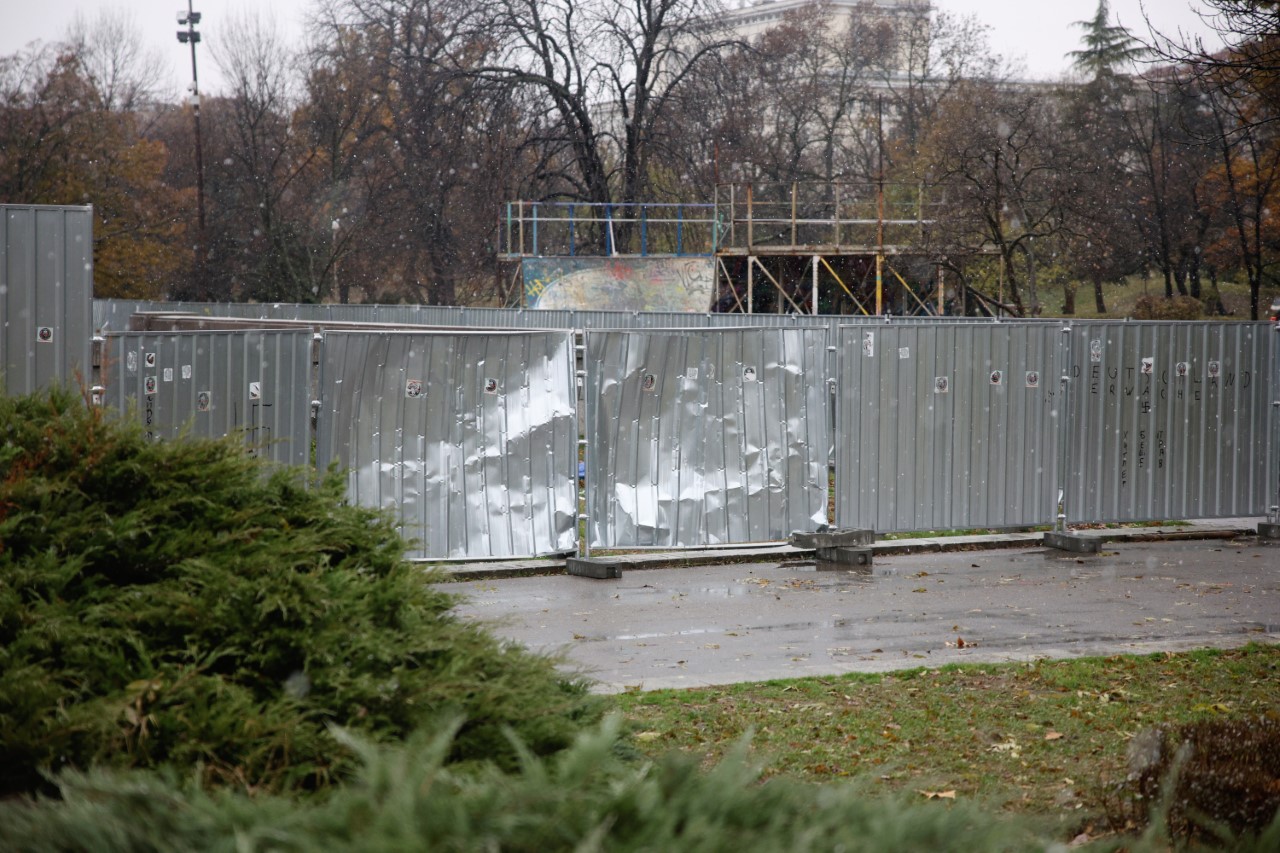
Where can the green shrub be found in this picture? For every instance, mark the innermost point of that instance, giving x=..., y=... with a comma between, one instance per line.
x=181, y=603
x=585, y=798
x=1158, y=308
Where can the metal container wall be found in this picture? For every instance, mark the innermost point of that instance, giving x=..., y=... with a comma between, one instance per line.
x=470, y=439
x=948, y=427
x=46, y=288
x=212, y=384
x=1169, y=420
x=699, y=438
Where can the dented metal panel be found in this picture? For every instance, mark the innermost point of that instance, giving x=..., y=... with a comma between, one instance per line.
x=705, y=437
x=212, y=384
x=948, y=427
x=1169, y=421
x=46, y=288
x=470, y=439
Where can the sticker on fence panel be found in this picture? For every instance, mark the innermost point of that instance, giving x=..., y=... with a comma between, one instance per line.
x=149, y=385
x=186, y=371
x=869, y=344
x=491, y=386
x=749, y=374
x=45, y=334
x=1148, y=366
x=255, y=390
x=648, y=382
x=997, y=377
x=149, y=359
x=131, y=362
x=941, y=385
x=413, y=389
x=1095, y=351
x=204, y=401
x=1215, y=369
x=1033, y=379
x=1182, y=369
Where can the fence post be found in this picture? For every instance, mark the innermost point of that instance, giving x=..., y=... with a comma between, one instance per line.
x=1064, y=434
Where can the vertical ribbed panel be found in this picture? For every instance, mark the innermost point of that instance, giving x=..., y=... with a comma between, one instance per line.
x=470, y=439
x=46, y=288
x=1169, y=420
x=212, y=384
x=948, y=427
x=705, y=438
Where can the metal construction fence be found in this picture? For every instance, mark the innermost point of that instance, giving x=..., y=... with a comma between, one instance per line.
x=211, y=384
x=699, y=436
x=1171, y=420
x=46, y=287
x=471, y=439
x=946, y=428
x=705, y=438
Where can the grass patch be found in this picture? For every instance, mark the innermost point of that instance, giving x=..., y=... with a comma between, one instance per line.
x=1047, y=739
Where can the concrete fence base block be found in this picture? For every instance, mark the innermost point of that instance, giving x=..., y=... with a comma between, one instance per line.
x=1073, y=542
x=1269, y=530
x=593, y=568
x=833, y=539
x=843, y=556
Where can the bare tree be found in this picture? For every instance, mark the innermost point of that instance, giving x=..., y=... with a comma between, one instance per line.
x=124, y=72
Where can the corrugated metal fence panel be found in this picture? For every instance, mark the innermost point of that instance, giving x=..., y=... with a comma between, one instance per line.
x=705, y=438
x=948, y=427
x=1168, y=420
x=1273, y=448
x=46, y=287
x=213, y=384
x=471, y=439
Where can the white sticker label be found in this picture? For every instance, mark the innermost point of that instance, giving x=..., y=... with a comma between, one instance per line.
x=904, y=352
x=186, y=371
x=149, y=359
x=1148, y=366
x=1095, y=351
x=691, y=373
x=648, y=382
x=749, y=373
x=1215, y=369
x=44, y=334
x=491, y=386
x=149, y=385
x=413, y=389
x=131, y=362
x=204, y=401
x=1182, y=369
x=941, y=385
x=255, y=390
x=168, y=374
x=1033, y=379
x=869, y=344
x=997, y=377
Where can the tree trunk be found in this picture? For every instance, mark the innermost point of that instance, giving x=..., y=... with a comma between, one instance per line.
x=1068, y=298
x=1098, y=301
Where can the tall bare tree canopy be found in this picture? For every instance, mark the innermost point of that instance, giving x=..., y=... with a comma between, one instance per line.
x=373, y=162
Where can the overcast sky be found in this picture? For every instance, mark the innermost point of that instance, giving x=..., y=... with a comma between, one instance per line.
x=1038, y=32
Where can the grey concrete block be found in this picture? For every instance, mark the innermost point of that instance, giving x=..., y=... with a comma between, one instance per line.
x=843, y=556
x=593, y=568
x=1073, y=542
x=833, y=539
x=1269, y=530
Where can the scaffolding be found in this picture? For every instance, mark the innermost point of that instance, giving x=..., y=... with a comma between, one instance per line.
x=813, y=247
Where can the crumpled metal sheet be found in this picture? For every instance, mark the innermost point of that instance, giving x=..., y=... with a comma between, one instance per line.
x=949, y=427
x=212, y=384
x=470, y=439
x=705, y=437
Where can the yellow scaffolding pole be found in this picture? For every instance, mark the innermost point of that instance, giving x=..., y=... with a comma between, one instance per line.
x=845, y=288
x=908, y=289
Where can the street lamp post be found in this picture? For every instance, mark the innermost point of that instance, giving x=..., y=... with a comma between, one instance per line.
x=190, y=18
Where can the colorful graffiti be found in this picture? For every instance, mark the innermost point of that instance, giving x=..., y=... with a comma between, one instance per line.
x=619, y=284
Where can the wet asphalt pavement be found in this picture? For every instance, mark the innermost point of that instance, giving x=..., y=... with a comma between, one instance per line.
x=687, y=627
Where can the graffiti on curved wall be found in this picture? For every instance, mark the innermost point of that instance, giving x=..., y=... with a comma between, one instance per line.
x=619, y=284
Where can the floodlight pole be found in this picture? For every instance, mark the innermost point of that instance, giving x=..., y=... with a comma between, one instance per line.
x=190, y=36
